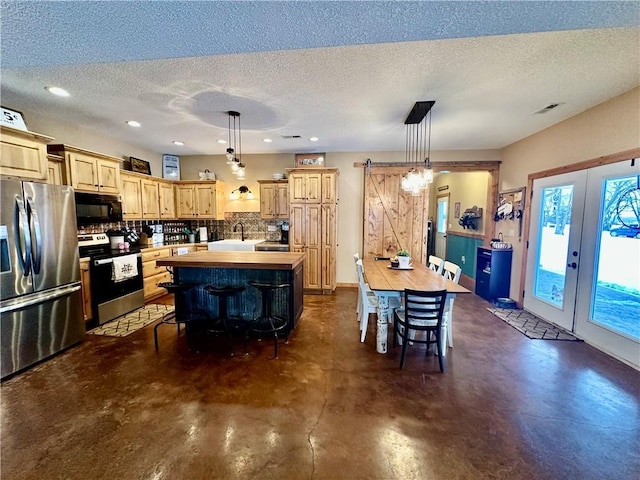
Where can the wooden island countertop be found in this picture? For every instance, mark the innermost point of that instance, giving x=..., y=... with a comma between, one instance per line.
x=240, y=260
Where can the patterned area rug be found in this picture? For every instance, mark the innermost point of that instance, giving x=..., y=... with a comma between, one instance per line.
x=132, y=321
x=531, y=326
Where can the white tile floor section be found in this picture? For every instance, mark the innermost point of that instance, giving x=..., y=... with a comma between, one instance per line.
x=531, y=326
x=132, y=321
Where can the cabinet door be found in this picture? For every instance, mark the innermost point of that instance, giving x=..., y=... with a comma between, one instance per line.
x=131, y=197
x=281, y=201
x=328, y=188
x=185, y=201
x=297, y=227
x=313, y=247
x=167, y=200
x=220, y=200
x=21, y=156
x=109, y=176
x=54, y=172
x=329, y=247
x=84, y=172
x=297, y=188
x=267, y=200
x=205, y=201
x=150, y=199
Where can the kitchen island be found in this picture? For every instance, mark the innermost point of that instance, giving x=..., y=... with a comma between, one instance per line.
x=237, y=268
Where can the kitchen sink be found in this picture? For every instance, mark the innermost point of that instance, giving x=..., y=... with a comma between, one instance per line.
x=234, y=245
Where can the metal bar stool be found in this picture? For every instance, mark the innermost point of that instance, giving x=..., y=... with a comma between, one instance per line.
x=267, y=322
x=223, y=323
x=186, y=317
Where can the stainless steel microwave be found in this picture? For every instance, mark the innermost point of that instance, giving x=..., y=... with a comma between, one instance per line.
x=95, y=208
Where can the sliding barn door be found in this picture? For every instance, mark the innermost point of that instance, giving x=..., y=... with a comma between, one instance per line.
x=393, y=219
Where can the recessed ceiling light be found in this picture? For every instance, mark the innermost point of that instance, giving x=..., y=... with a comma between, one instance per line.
x=221, y=141
x=267, y=140
x=133, y=123
x=314, y=139
x=179, y=143
x=61, y=92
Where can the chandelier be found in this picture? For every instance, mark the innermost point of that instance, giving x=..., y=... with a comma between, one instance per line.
x=234, y=151
x=418, y=148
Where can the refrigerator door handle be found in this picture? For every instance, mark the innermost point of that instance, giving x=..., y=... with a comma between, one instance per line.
x=22, y=233
x=35, y=221
x=20, y=303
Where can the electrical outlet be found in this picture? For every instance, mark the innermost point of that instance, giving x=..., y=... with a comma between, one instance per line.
x=272, y=228
x=463, y=259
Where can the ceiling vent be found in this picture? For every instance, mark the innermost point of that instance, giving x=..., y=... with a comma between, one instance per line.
x=287, y=137
x=551, y=106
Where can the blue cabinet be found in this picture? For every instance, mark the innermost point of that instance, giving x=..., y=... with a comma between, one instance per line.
x=493, y=273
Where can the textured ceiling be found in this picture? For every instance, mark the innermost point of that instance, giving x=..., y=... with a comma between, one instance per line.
x=346, y=72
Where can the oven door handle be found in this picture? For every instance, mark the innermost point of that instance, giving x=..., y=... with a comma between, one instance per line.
x=105, y=261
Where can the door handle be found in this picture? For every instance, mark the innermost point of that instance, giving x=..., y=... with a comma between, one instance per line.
x=37, y=236
x=573, y=265
x=22, y=232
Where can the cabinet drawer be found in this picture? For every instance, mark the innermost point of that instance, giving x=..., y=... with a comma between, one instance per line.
x=150, y=268
x=156, y=254
x=151, y=288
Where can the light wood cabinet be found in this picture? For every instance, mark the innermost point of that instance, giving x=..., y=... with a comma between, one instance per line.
x=150, y=199
x=23, y=154
x=274, y=199
x=167, y=200
x=55, y=175
x=152, y=274
x=85, y=278
x=90, y=171
x=313, y=197
x=131, y=196
x=199, y=200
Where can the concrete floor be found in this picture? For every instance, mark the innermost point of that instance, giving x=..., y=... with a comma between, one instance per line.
x=329, y=407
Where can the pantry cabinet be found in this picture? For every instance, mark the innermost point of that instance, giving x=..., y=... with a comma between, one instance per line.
x=89, y=171
x=493, y=273
x=23, y=154
x=313, y=197
x=274, y=199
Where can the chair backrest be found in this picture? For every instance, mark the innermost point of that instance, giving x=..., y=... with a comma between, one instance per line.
x=424, y=308
x=436, y=264
x=356, y=257
x=452, y=271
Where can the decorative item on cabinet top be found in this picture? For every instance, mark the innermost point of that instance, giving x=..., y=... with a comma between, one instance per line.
x=137, y=165
x=309, y=160
x=13, y=118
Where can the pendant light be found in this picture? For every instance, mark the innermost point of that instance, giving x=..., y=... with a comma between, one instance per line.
x=418, y=148
x=234, y=151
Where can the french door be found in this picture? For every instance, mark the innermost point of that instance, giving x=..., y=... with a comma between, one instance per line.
x=583, y=257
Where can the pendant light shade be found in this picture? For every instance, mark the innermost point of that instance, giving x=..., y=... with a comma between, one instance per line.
x=234, y=151
x=418, y=148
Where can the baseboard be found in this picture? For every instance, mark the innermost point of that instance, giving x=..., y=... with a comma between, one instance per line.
x=347, y=285
x=468, y=282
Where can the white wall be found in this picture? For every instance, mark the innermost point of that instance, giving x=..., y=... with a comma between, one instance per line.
x=608, y=128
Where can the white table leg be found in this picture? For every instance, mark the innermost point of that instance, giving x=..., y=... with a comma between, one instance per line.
x=383, y=328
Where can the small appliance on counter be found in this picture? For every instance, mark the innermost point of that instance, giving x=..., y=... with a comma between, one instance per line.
x=152, y=235
x=284, y=233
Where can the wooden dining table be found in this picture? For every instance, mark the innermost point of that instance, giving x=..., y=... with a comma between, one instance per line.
x=387, y=282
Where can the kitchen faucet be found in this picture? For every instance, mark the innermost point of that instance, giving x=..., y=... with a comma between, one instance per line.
x=235, y=229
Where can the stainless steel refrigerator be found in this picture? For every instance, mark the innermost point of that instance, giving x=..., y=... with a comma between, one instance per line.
x=40, y=289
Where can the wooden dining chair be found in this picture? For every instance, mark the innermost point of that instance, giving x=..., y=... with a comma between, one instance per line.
x=356, y=257
x=368, y=302
x=423, y=312
x=436, y=264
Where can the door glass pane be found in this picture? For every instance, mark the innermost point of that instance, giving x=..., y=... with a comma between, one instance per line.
x=553, y=242
x=615, y=302
x=442, y=216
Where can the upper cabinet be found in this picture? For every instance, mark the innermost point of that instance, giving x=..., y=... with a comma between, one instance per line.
x=23, y=154
x=90, y=171
x=305, y=187
x=150, y=199
x=131, y=196
x=199, y=200
x=274, y=199
x=167, y=199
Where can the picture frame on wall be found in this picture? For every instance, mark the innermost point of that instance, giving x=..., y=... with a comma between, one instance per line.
x=457, y=210
x=310, y=159
x=140, y=166
x=171, y=167
x=13, y=118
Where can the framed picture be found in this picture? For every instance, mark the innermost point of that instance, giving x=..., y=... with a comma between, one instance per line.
x=13, y=119
x=171, y=167
x=457, y=210
x=140, y=166
x=310, y=159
